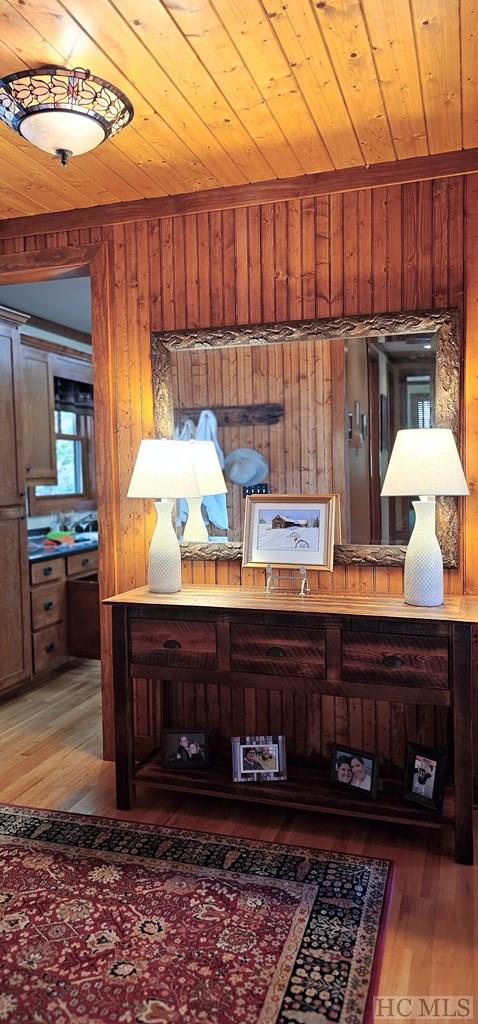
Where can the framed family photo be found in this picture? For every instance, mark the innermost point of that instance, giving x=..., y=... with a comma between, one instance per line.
x=184, y=748
x=291, y=531
x=258, y=758
x=354, y=770
x=425, y=774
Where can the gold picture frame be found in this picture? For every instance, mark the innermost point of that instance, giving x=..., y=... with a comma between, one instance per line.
x=291, y=531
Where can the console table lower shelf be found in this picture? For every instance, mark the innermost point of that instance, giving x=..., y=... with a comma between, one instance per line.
x=306, y=788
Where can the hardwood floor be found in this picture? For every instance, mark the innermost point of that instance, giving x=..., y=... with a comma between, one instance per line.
x=50, y=753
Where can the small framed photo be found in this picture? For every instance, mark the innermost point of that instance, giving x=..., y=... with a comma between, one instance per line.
x=258, y=758
x=184, y=748
x=354, y=770
x=291, y=531
x=424, y=778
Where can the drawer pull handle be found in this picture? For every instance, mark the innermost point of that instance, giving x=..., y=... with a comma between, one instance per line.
x=48, y=605
x=85, y=561
x=392, y=661
x=276, y=652
x=48, y=570
x=172, y=644
x=49, y=648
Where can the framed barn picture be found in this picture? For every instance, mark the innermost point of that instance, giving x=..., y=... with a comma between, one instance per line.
x=291, y=531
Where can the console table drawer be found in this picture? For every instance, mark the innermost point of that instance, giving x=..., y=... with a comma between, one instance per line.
x=176, y=643
x=269, y=650
x=405, y=660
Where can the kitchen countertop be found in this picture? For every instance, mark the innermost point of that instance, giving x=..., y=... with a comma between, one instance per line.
x=63, y=549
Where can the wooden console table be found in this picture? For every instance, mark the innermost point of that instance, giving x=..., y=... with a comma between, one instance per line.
x=376, y=648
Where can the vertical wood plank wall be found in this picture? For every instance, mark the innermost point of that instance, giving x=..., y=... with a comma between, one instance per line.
x=403, y=247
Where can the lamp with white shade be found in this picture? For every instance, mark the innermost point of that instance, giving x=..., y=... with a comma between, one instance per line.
x=164, y=469
x=209, y=480
x=424, y=462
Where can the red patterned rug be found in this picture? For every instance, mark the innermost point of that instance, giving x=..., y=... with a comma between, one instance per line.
x=111, y=922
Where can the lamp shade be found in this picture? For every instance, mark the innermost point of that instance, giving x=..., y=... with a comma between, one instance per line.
x=424, y=462
x=163, y=469
x=207, y=469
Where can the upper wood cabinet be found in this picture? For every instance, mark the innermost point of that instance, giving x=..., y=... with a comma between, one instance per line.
x=12, y=470
x=15, y=640
x=39, y=412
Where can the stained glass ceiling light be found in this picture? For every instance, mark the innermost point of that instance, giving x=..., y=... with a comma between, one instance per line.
x=63, y=112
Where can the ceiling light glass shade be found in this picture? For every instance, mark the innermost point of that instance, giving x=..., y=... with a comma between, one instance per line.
x=63, y=112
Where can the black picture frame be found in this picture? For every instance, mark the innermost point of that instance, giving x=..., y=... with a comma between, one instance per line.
x=171, y=742
x=340, y=750
x=428, y=789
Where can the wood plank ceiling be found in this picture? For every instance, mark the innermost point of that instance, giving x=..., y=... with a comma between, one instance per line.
x=234, y=91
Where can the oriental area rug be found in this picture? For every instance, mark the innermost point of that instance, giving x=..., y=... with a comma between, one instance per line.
x=113, y=922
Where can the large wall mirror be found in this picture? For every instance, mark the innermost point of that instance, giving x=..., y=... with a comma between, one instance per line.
x=314, y=407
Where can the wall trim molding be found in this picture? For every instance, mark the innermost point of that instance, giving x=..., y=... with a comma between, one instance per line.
x=349, y=179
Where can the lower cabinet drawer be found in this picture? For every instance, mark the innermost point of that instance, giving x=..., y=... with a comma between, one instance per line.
x=270, y=650
x=48, y=570
x=404, y=660
x=48, y=605
x=84, y=561
x=174, y=643
x=49, y=647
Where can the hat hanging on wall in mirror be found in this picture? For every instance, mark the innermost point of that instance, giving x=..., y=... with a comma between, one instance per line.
x=65, y=113
x=246, y=466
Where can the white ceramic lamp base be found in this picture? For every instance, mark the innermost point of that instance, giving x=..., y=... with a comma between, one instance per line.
x=195, y=529
x=424, y=561
x=164, y=553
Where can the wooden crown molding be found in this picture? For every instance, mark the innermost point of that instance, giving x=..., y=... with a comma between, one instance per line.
x=56, y=348
x=45, y=264
x=61, y=329
x=349, y=179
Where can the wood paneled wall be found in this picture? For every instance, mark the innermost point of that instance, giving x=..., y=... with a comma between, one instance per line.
x=402, y=247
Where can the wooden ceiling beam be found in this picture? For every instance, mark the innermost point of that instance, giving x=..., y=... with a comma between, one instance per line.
x=349, y=179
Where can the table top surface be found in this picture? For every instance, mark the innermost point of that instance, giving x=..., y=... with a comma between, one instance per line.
x=455, y=609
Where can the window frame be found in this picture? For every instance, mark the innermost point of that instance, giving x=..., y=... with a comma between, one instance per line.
x=84, y=500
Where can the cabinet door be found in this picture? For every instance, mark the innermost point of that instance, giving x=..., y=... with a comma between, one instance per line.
x=39, y=412
x=12, y=475
x=15, y=631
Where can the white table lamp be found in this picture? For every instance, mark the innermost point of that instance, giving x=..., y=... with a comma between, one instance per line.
x=164, y=469
x=424, y=462
x=209, y=480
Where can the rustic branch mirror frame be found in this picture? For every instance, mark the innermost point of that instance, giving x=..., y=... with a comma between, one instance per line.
x=446, y=324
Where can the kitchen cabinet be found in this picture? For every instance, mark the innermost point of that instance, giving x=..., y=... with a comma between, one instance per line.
x=38, y=416
x=15, y=643
x=64, y=608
